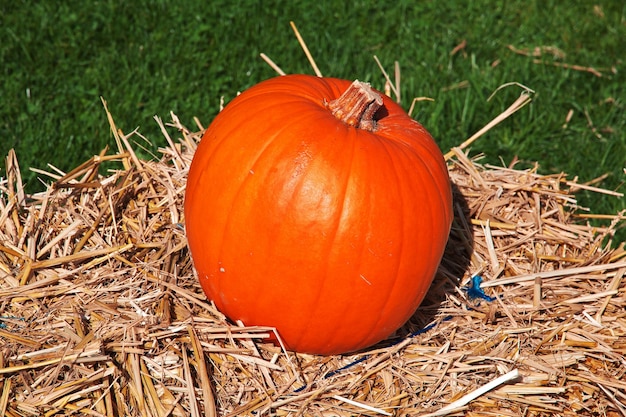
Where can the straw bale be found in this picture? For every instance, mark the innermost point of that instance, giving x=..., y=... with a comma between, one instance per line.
x=102, y=315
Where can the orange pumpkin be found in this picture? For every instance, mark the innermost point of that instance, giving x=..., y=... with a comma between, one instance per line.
x=319, y=207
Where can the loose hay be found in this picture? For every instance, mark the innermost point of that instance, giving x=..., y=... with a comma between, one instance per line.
x=102, y=314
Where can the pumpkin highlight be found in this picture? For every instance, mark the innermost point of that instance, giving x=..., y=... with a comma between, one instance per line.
x=319, y=207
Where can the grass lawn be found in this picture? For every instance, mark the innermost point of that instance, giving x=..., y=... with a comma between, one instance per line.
x=148, y=58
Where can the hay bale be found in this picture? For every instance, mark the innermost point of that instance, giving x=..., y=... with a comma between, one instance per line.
x=101, y=313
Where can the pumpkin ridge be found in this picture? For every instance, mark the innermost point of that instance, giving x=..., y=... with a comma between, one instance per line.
x=415, y=163
x=432, y=167
x=432, y=164
x=434, y=160
x=383, y=312
x=323, y=287
x=428, y=177
x=269, y=148
x=223, y=139
x=295, y=188
x=243, y=184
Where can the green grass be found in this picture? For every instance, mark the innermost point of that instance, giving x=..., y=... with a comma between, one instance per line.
x=149, y=57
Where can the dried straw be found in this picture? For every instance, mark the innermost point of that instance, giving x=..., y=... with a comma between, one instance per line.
x=102, y=315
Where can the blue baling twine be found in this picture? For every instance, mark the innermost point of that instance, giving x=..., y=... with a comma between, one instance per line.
x=3, y=325
x=343, y=368
x=334, y=372
x=474, y=291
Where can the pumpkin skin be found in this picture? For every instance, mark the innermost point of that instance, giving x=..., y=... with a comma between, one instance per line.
x=296, y=220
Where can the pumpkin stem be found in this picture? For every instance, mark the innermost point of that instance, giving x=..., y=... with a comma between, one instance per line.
x=357, y=106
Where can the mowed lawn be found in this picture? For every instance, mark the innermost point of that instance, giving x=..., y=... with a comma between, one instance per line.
x=148, y=58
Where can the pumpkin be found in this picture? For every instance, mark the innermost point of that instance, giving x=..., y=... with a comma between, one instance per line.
x=318, y=207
